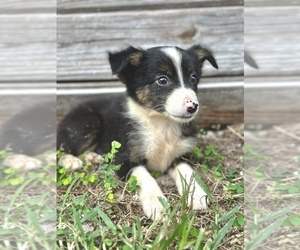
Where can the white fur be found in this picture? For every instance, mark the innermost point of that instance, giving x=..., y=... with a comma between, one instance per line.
x=196, y=197
x=22, y=162
x=161, y=135
x=176, y=58
x=71, y=162
x=175, y=104
x=94, y=158
x=149, y=193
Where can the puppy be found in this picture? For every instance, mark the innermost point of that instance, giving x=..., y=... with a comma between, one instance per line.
x=153, y=122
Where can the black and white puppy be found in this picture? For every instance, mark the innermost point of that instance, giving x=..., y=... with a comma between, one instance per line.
x=153, y=122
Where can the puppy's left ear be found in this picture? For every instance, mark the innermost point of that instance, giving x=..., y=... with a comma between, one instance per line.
x=203, y=54
x=128, y=57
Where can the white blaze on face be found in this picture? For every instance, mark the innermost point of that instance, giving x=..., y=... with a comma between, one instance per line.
x=178, y=102
x=176, y=58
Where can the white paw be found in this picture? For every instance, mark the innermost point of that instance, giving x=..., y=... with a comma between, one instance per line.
x=152, y=207
x=22, y=162
x=50, y=158
x=94, y=158
x=182, y=174
x=70, y=162
x=197, y=198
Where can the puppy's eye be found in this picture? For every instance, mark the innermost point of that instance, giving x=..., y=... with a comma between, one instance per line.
x=163, y=81
x=193, y=78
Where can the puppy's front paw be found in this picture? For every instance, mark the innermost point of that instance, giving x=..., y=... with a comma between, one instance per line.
x=22, y=162
x=94, y=158
x=198, y=198
x=70, y=162
x=152, y=207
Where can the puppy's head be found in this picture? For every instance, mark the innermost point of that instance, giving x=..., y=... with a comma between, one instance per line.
x=164, y=79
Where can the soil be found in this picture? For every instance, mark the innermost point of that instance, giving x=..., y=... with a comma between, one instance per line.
x=277, y=156
x=229, y=143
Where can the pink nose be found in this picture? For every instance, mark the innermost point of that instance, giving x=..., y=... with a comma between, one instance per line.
x=191, y=106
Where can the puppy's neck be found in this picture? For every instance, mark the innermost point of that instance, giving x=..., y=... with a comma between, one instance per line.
x=144, y=114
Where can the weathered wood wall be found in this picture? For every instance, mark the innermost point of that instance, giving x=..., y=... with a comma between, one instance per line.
x=272, y=37
x=85, y=39
x=87, y=30
x=38, y=47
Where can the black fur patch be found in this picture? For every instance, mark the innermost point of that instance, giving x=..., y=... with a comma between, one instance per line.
x=97, y=123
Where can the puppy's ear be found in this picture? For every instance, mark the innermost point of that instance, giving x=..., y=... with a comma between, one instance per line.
x=203, y=54
x=119, y=60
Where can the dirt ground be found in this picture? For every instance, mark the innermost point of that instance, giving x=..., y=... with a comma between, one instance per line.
x=229, y=143
x=272, y=180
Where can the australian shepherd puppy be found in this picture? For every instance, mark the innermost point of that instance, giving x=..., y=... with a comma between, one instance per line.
x=153, y=122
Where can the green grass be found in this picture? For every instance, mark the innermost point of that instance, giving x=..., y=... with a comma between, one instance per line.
x=271, y=207
x=94, y=210
x=177, y=230
x=27, y=208
x=89, y=219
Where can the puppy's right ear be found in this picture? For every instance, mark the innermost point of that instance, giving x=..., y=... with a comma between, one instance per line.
x=119, y=60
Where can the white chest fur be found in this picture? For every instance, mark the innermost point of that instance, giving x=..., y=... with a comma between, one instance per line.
x=160, y=138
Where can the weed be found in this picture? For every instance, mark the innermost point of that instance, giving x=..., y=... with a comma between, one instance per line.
x=179, y=229
x=237, y=188
x=132, y=184
x=92, y=220
x=258, y=232
x=108, y=169
x=209, y=154
x=85, y=176
x=202, y=131
x=252, y=154
x=28, y=208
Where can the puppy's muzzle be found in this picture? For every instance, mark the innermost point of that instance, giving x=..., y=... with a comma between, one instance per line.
x=191, y=106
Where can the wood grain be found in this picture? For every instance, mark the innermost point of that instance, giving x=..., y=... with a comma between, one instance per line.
x=84, y=6
x=272, y=37
x=272, y=105
x=209, y=115
x=218, y=106
x=28, y=6
x=28, y=47
x=269, y=3
x=84, y=40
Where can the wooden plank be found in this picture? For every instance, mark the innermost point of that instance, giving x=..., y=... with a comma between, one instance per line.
x=268, y=3
x=272, y=38
x=218, y=105
x=208, y=82
x=84, y=6
x=84, y=40
x=28, y=47
x=28, y=6
x=272, y=103
x=12, y=105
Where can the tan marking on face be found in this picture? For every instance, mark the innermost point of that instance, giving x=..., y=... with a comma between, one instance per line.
x=143, y=94
x=166, y=70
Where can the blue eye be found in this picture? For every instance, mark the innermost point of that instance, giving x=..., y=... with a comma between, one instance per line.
x=162, y=81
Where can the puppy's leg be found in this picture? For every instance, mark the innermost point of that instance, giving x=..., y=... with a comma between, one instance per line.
x=149, y=193
x=79, y=130
x=196, y=197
